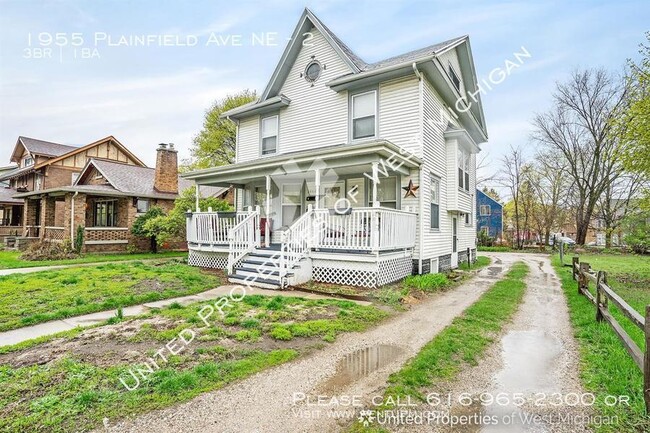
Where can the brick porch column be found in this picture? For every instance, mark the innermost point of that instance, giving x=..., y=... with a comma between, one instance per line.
x=79, y=214
x=29, y=214
x=48, y=210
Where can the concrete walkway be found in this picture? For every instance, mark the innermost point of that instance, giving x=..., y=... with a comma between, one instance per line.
x=19, y=335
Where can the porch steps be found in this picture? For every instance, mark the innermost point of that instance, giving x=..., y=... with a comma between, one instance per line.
x=260, y=268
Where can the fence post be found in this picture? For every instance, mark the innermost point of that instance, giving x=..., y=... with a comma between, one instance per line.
x=646, y=361
x=575, y=261
x=583, y=282
x=601, y=299
x=469, y=258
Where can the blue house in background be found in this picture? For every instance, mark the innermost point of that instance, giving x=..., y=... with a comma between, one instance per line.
x=489, y=215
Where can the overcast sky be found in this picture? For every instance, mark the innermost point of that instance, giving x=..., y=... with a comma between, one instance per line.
x=147, y=95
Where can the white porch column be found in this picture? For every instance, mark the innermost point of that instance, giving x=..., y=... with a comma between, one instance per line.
x=267, y=239
x=375, y=178
x=317, y=182
x=197, y=195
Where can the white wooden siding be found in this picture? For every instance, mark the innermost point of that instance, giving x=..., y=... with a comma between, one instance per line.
x=248, y=140
x=399, y=113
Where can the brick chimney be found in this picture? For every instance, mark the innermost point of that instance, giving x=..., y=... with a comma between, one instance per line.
x=166, y=179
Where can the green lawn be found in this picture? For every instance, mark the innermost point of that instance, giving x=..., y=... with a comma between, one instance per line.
x=461, y=343
x=76, y=389
x=37, y=297
x=11, y=260
x=606, y=368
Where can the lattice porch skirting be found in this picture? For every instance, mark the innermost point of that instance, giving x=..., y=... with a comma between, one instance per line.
x=208, y=259
x=363, y=274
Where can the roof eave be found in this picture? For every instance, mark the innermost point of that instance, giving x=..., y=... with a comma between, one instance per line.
x=270, y=104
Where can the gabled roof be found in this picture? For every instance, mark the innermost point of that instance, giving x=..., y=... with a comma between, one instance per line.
x=362, y=73
x=482, y=194
x=40, y=147
x=6, y=196
x=77, y=150
x=127, y=178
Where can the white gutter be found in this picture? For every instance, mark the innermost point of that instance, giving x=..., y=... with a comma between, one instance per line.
x=418, y=74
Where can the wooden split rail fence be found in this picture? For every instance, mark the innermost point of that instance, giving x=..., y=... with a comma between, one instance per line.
x=583, y=274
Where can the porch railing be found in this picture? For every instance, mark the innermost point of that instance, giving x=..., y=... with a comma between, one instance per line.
x=296, y=243
x=54, y=233
x=212, y=228
x=364, y=229
x=243, y=238
x=98, y=235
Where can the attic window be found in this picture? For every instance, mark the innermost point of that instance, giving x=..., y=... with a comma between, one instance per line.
x=454, y=77
x=313, y=71
x=28, y=161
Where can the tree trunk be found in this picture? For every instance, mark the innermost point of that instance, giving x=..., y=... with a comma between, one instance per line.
x=608, y=237
x=154, y=244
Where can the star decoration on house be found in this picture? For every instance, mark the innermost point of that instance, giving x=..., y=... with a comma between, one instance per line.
x=410, y=189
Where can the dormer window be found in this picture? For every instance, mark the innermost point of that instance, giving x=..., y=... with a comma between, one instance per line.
x=454, y=77
x=270, y=135
x=28, y=161
x=364, y=115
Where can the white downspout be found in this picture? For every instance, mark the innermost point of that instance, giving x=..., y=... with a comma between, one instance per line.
x=421, y=171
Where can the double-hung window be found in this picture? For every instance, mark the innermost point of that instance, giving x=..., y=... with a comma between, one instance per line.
x=463, y=169
x=364, y=115
x=269, y=135
x=486, y=210
x=387, y=192
x=105, y=213
x=435, y=203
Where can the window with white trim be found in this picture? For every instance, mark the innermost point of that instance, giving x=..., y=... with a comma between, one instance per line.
x=435, y=204
x=486, y=230
x=387, y=192
x=28, y=161
x=463, y=169
x=468, y=219
x=142, y=205
x=486, y=210
x=291, y=203
x=364, y=115
x=270, y=135
x=454, y=77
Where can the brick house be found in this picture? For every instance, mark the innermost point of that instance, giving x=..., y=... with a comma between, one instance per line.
x=105, y=198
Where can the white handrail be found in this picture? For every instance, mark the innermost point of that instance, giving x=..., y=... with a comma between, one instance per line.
x=211, y=228
x=296, y=242
x=243, y=238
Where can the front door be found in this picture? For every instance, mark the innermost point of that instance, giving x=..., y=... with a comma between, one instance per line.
x=454, y=242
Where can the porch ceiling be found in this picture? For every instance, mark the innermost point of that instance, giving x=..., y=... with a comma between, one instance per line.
x=339, y=160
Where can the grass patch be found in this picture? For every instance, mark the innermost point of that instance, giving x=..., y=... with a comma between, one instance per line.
x=72, y=393
x=11, y=260
x=606, y=368
x=494, y=249
x=38, y=297
x=481, y=262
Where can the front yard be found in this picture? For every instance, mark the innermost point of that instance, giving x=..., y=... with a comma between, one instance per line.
x=11, y=259
x=72, y=383
x=38, y=297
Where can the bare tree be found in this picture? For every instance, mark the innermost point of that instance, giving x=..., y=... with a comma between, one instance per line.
x=549, y=182
x=617, y=202
x=512, y=178
x=578, y=126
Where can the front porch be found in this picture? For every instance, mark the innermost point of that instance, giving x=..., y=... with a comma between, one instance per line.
x=337, y=217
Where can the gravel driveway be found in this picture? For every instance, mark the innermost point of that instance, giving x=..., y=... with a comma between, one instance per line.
x=285, y=399
x=536, y=358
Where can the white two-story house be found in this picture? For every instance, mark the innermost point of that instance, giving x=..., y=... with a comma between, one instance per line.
x=348, y=172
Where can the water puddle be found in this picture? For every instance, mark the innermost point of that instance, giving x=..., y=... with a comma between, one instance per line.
x=529, y=358
x=361, y=363
x=493, y=271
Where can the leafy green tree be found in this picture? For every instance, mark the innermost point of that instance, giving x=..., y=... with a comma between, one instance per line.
x=215, y=144
x=139, y=227
x=637, y=231
x=164, y=227
x=633, y=125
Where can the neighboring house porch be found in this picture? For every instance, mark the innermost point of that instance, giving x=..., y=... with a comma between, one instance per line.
x=334, y=215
